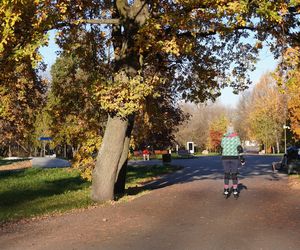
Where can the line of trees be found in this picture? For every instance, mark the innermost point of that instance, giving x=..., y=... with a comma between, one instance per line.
x=260, y=116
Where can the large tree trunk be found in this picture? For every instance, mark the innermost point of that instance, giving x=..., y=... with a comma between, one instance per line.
x=108, y=159
x=110, y=171
x=122, y=167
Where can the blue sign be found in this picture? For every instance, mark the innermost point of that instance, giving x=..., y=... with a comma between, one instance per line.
x=45, y=139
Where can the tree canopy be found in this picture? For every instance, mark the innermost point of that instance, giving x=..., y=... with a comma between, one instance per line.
x=194, y=47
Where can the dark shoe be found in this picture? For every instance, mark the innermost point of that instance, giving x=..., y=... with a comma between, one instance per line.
x=226, y=191
x=235, y=192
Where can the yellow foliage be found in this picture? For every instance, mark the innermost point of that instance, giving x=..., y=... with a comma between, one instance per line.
x=126, y=95
x=171, y=47
x=294, y=103
x=290, y=86
x=84, y=159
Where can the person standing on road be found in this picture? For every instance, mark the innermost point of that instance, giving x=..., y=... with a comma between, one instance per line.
x=231, y=148
x=146, y=154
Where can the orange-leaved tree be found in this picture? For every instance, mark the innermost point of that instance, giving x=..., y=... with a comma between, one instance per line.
x=217, y=128
x=288, y=78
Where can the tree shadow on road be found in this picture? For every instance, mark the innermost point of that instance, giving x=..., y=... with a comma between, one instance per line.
x=210, y=168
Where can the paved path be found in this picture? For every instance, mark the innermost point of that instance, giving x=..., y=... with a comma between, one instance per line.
x=49, y=162
x=185, y=211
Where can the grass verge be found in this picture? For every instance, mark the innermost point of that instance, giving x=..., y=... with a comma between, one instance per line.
x=38, y=192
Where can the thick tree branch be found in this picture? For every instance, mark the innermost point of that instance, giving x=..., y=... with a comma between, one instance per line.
x=213, y=32
x=138, y=11
x=114, y=21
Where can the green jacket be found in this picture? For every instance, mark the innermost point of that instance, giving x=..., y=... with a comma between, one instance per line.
x=229, y=144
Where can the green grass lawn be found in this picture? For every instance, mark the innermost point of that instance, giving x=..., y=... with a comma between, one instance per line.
x=35, y=192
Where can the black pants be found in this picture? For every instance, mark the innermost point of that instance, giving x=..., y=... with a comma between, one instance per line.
x=230, y=170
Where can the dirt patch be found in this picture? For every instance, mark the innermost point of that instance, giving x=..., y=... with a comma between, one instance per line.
x=17, y=165
x=294, y=182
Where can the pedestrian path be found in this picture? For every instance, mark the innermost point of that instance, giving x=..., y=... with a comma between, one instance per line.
x=187, y=213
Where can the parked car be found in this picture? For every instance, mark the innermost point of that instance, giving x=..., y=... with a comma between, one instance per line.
x=291, y=160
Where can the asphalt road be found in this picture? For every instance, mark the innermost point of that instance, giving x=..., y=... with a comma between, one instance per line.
x=210, y=168
x=185, y=211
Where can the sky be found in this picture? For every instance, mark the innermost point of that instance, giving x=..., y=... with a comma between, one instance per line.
x=266, y=63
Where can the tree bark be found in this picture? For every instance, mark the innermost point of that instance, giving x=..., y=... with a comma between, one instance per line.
x=110, y=172
x=122, y=167
x=109, y=158
x=119, y=187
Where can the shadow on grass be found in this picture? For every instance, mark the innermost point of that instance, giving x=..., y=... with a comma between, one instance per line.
x=33, y=186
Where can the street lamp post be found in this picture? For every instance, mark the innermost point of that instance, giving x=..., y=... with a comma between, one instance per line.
x=285, y=127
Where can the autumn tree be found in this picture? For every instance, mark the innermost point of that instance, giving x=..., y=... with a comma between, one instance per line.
x=242, y=111
x=288, y=79
x=266, y=116
x=77, y=120
x=294, y=103
x=293, y=62
x=217, y=128
x=21, y=89
x=195, y=43
x=22, y=97
x=197, y=127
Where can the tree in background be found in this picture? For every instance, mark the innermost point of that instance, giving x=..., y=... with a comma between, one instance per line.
x=217, y=128
x=241, y=121
x=41, y=129
x=197, y=127
x=187, y=131
x=21, y=89
x=294, y=104
x=22, y=97
x=266, y=117
x=77, y=120
x=288, y=79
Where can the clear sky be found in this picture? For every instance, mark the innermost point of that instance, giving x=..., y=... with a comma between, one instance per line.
x=49, y=52
x=266, y=63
